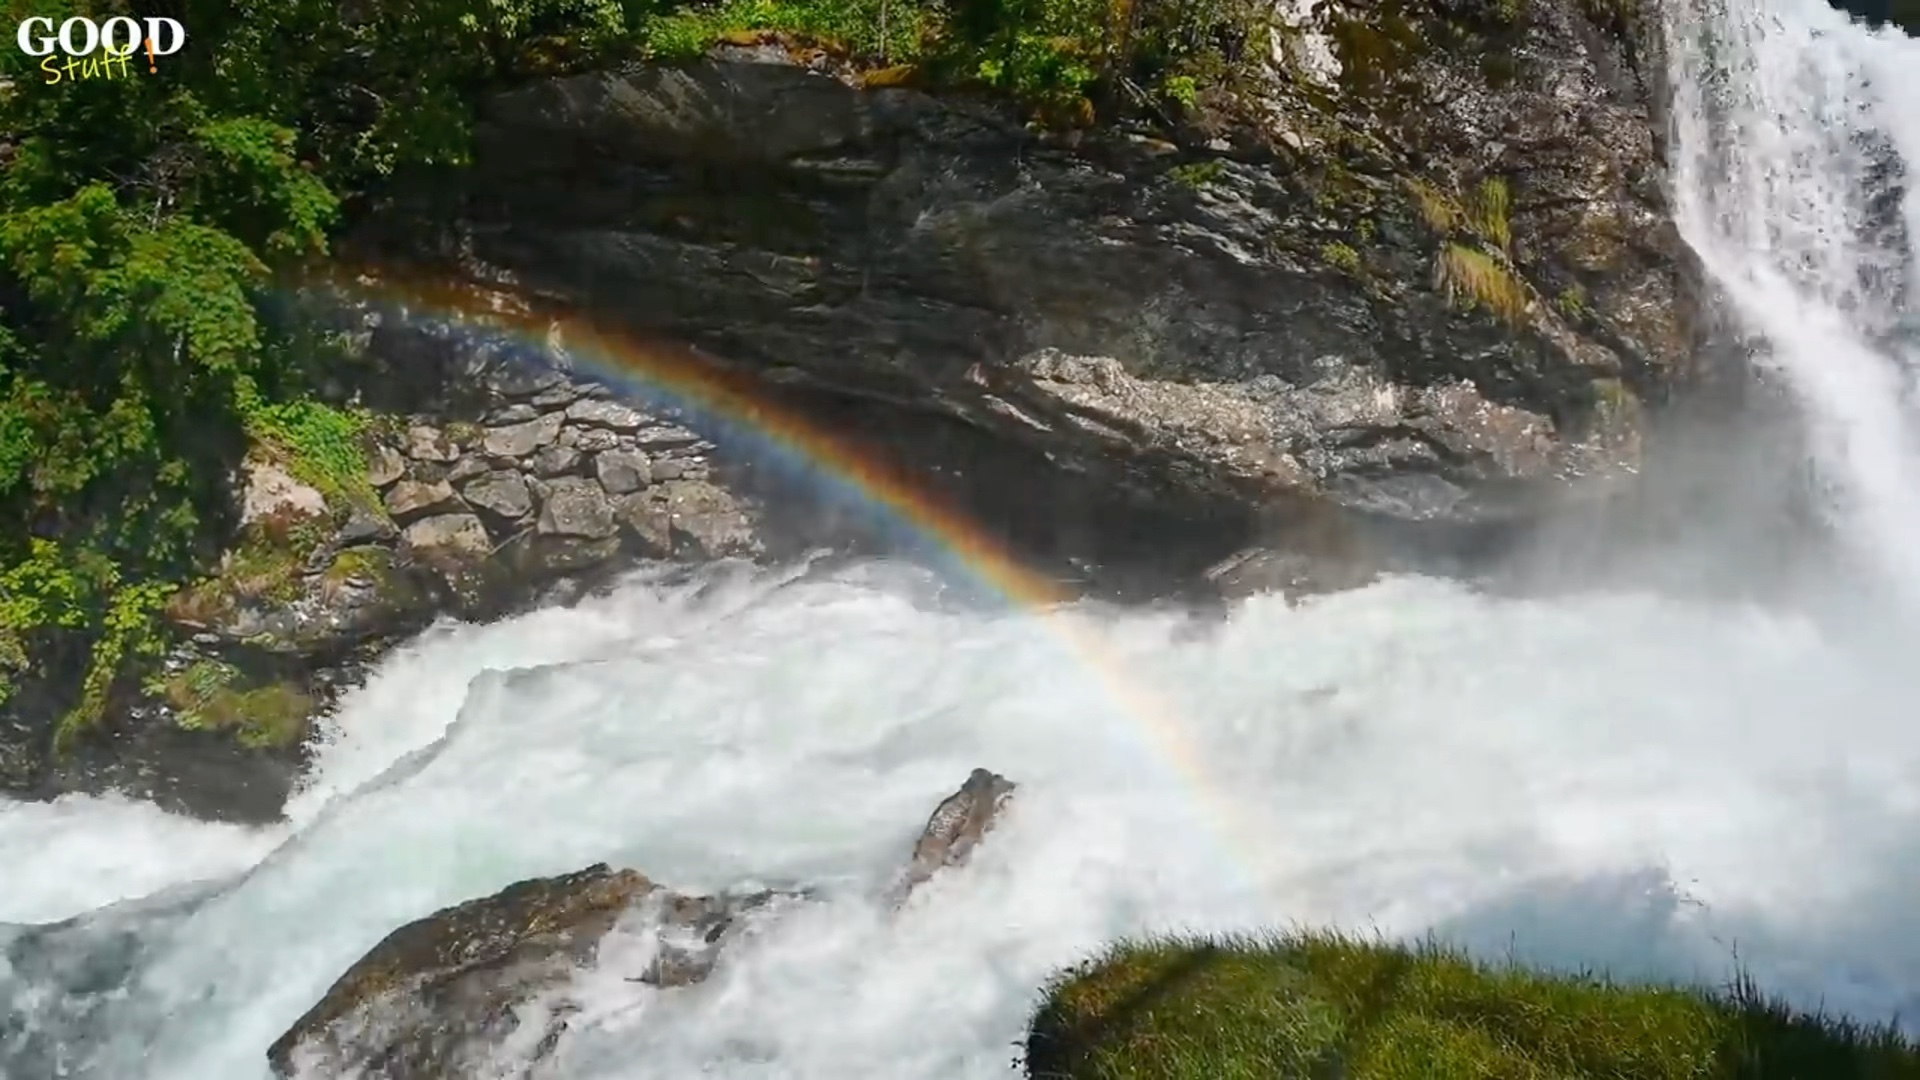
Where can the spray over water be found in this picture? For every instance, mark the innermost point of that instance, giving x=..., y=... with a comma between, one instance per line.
x=1615, y=780
x=1793, y=129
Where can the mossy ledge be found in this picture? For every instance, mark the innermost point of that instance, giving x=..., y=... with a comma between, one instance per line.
x=1321, y=1004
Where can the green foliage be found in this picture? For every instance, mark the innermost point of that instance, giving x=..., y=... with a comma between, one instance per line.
x=1491, y=209
x=146, y=221
x=872, y=28
x=321, y=445
x=1471, y=277
x=1573, y=302
x=1197, y=174
x=143, y=220
x=1341, y=257
x=1057, y=55
x=206, y=697
x=1314, y=1005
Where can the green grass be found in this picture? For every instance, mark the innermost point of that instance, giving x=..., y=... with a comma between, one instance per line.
x=1472, y=278
x=1322, y=1005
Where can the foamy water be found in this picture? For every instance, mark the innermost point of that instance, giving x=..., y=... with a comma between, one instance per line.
x=1782, y=113
x=1615, y=781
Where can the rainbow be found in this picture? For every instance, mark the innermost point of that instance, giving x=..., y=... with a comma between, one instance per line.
x=726, y=405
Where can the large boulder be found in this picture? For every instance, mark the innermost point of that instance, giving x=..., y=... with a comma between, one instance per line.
x=447, y=995
x=438, y=996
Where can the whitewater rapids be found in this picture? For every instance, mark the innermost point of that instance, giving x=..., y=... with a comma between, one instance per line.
x=1620, y=782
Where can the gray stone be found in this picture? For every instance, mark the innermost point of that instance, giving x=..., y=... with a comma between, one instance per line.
x=607, y=414
x=270, y=492
x=550, y=556
x=413, y=498
x=679, y=468
x=384, y=465
x=430, y=444
x=955, y=828
x=564, y=392
x=557, y=461
x=647, y=522
x=667, y=437
x=707, y=522
x=467, y=468
x=592, y=440
x=576, y=507
x=448, y=535
x=519, y=440
x=518, y=413
x=622, y=471
x=366, y=526
x=503, y=494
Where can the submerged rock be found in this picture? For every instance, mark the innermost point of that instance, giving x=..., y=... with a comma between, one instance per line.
x=452, y=993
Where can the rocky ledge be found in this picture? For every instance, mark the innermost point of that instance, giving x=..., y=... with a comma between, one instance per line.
x=491, y=981
x=524, y=484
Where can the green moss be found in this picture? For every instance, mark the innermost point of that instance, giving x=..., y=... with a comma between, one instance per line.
x=1572, y=302
x=1473, y=278
x=1436, y=208
x=373, y=568
x=1509, y=11
x=1324, y=1005
x=267, y=566
x=1491, y=212
x=465, y=434
x=1342, y=258
x=1197, y=174
x=205, y=698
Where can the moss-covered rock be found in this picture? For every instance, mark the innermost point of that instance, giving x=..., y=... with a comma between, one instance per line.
x=211, y=695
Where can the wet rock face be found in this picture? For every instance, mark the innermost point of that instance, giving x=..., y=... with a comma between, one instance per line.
x=455, y=992
x=426, y=992
x=1276, y=311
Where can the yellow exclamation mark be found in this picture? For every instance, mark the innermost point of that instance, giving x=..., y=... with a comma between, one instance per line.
x=152, y=68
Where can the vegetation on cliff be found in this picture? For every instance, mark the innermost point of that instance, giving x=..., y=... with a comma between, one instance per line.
x=145, y=219
x=1326, y=1005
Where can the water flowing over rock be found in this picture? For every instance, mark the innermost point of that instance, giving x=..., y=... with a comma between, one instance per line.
x=451, y=993
x=955, y=828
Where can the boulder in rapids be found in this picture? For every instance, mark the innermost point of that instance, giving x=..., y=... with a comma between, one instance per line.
x=443, y=995
x=450, y=995
x=955, y=828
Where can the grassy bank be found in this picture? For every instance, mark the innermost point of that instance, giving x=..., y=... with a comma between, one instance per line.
x=1325, y=1006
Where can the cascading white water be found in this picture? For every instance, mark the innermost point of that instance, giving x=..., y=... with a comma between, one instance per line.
x=1620, y=781
x=1791, y=125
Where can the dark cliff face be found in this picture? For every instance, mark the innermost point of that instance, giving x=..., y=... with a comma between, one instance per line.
x=1411, y=285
